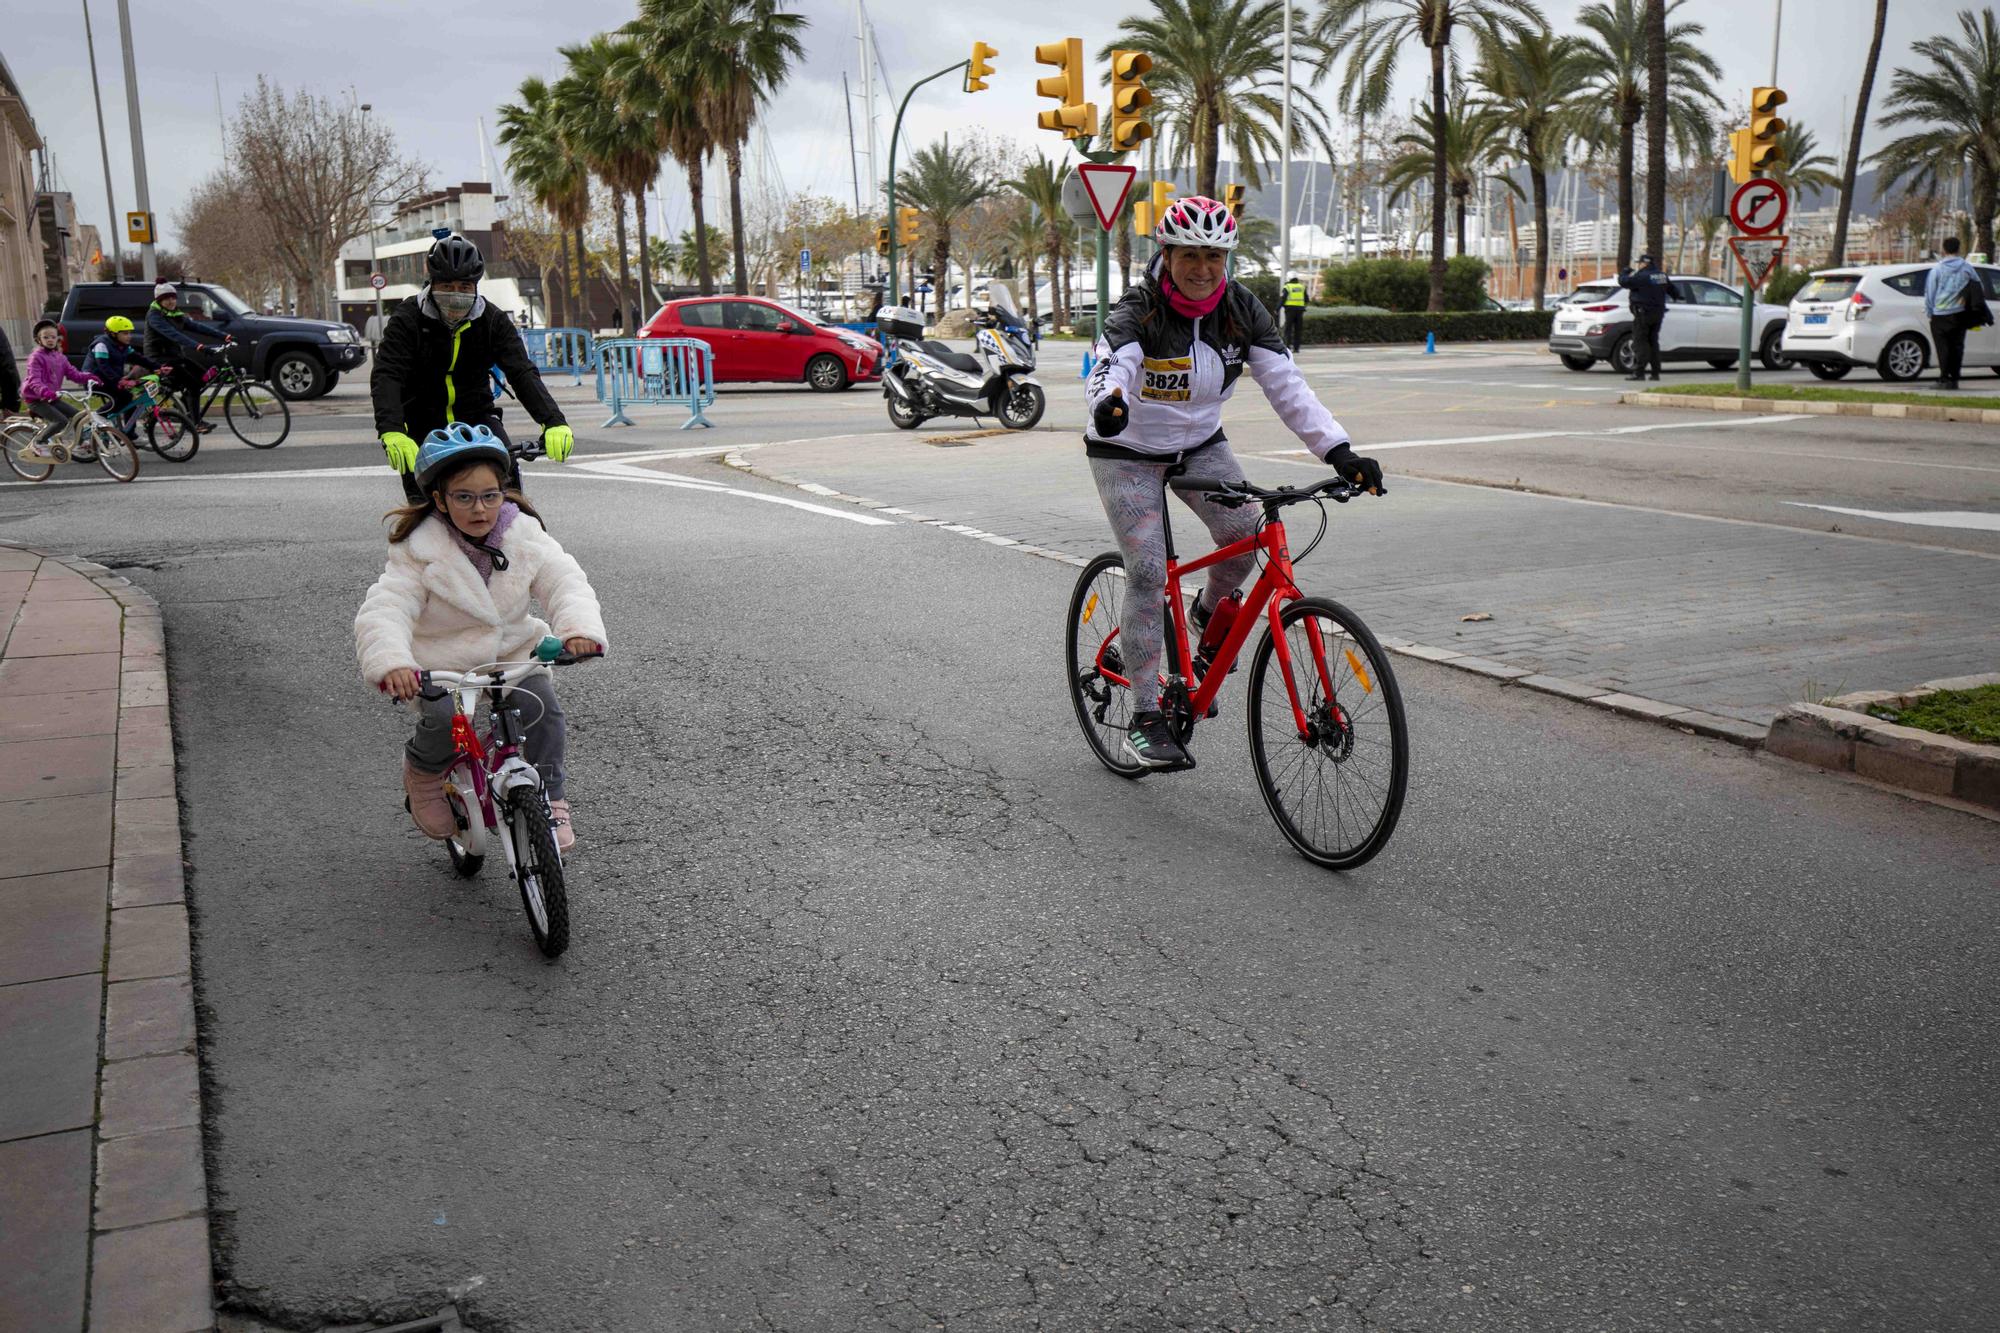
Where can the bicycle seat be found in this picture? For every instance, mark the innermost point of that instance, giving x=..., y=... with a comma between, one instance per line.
x=937, y=351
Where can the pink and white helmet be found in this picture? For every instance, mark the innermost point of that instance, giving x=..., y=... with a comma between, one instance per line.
x=1196, y=220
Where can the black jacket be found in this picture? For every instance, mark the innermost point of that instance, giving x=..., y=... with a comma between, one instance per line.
x=1650, y=289
x=10, y=376
x=170, y=334
x=428, y=373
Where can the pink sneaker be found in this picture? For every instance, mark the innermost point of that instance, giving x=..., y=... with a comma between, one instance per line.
x=424, y=799
x=559, y=822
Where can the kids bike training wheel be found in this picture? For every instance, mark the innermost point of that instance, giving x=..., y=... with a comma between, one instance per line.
x=260, y=418
x=115, y=453
x=539, y=870
x=1103, y=707
x=1336, y=791
x=171, y=435
x=465, y=861
x=16, y=443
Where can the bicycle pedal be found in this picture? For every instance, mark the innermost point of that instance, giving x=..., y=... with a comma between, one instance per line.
x=1213, y=711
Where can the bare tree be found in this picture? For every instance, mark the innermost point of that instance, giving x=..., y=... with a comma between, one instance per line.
x=311, y=165
x=229, y=240
x=533, y=236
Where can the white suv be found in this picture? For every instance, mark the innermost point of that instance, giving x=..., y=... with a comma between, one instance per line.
x=1704, y=323
x=1873, y=315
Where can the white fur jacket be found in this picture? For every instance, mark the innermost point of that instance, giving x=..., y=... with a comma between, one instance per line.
x=431, y=610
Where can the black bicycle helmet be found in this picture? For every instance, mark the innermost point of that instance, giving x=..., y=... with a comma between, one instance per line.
x=454, y=259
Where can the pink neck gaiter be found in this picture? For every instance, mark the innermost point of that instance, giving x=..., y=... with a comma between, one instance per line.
x=1186, y=305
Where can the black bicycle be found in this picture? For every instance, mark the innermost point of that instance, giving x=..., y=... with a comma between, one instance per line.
x=257, y=414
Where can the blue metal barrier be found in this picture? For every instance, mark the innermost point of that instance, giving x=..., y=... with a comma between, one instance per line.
x=560, y=349
x=655, y=370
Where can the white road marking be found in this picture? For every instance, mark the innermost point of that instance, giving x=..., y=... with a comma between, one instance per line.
x=1970, y=519
x=1529, y=386
x=648, y=477
x=1513, y=436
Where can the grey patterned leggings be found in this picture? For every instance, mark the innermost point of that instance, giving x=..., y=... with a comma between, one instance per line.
x=1135, y=503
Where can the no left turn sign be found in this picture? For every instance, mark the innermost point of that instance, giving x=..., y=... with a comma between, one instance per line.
x=1758, y=207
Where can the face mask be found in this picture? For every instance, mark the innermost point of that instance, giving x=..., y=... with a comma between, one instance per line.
x=454, y=306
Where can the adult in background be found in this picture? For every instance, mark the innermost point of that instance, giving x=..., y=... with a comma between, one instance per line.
x=1294, y=294
x=1650, y=289
x=10, y=378
x=173, y=339
x=1949, y=301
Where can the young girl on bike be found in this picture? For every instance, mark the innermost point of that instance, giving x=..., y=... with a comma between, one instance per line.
x=1172, y=350
x=47, y=369
x=455, y=595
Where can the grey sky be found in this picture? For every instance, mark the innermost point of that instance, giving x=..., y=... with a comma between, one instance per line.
x=379, y=49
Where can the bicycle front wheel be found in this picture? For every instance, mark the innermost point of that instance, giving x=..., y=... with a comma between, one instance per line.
x=171, y=435
x=17, y=444
x=115, y=453
x=1103, y=707
x=1336, y=787
x=538, y=868
x=260, y=418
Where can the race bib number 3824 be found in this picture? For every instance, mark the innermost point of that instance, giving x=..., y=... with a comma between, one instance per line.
x=1169, y=379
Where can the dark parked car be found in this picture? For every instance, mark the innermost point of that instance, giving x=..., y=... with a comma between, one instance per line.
x=302, y=358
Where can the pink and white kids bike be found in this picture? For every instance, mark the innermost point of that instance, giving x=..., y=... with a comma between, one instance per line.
x=496, y=794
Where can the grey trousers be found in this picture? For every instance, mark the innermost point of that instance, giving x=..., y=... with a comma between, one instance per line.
x=544, y=745
x=1135, y=501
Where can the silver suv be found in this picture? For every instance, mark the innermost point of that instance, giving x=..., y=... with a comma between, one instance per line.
x=1704, y=322
x=1873, y=315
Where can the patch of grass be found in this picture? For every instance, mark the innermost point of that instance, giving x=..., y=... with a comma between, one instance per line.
x=1821, y=393
x=1970, y=715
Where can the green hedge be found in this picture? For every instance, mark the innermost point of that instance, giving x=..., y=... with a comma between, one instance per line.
x=1335, y=326
x=1405, y=284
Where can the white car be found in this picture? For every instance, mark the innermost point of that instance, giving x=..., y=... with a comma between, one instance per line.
x=1704, y=323
x=1873, y=315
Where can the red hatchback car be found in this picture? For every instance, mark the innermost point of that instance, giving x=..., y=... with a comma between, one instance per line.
x=756, y=339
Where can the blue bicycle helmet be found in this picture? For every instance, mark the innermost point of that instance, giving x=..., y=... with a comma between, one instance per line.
x=453, y=447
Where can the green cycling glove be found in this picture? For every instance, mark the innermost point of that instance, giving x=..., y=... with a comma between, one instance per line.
x=558, y=441
x=402, y=451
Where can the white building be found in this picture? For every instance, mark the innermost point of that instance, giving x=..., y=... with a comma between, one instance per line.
x=397, y=247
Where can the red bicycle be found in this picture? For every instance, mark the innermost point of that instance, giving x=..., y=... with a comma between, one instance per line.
x=1328, y=738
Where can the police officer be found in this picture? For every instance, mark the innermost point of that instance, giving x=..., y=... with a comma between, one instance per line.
x=435, y=364
x=1294, y=293
x=1650, y=289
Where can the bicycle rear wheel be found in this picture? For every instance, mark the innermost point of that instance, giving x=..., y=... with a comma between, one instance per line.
x=538, y=868
x=171, y=435
x=1337, y=790
x=260, y=418
x=1103, y=707
x=115, y=453
x=15, y=442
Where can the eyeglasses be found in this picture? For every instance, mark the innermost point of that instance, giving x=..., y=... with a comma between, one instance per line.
x=476, y=499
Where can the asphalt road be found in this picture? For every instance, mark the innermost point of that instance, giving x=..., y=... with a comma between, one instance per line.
x=889, y=1009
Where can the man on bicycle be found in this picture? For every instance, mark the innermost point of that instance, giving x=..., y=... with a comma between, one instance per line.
x=1170, y=356
x=172, y=342
x=434, y=365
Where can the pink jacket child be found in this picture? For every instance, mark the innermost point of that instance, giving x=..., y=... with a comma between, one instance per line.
x=47, y=369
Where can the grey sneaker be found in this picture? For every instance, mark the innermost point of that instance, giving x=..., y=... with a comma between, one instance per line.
x=1150, y=741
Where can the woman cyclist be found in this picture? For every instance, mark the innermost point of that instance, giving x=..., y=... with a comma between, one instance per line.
x=1172, y=349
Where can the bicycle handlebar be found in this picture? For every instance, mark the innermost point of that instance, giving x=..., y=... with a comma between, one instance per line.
x=499, y=674
x=1234, y=494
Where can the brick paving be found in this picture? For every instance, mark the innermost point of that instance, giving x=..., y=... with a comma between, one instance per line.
x=1729, y=618
x=103, y=1193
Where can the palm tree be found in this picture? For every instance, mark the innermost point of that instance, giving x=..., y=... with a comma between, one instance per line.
x=1474, y=142
x=1040, y=183
x=695, y=244
x=1613, y=67
x=731, y=54
x=683, y=133
x=1805, y=167
x=600, y=125
x=1529, y=84
x=1838, y=255
x=1025, y=237
x=542, y=164
x=942, y=182
x=1216, y=79
x=1257, y=243
x=1958, y=98
x=1376, y=31
x=1656, y=126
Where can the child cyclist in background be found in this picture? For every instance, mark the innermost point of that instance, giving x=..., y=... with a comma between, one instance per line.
x=47, y=369
x=455, y=595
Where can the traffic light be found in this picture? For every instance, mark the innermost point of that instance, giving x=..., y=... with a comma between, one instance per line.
x=1129, y=99
x=1146, y=213
x=1073, y=116
x=1232, y=199
x=1767, y=155
x=979, y=68
x=881, y=240
x=906, y=226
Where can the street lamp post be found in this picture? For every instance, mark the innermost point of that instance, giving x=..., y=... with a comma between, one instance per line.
x=894, y=132
x=1285, y=162
x=148, y=262
x=104, y=151
x=366, y=107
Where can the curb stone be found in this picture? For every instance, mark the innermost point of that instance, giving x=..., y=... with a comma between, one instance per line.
x=1678, y=716
x=1816, y=407
x=1838, y=736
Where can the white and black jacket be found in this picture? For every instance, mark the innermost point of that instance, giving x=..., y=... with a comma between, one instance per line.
x=1176, y=373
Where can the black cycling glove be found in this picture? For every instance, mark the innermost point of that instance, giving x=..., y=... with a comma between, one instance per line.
x=1363, y=472
x=1109, y=416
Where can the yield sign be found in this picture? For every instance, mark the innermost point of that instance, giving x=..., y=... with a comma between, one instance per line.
x=1757, y=256
x=1759, y=206
x=1107, y=184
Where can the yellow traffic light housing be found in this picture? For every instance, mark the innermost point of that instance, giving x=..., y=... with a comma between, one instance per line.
x=906, y=226
x=1766, y=154
x=881, y=240
x=1129, y=99
x=1073, y=116
x=1142, y=217
x=1232, y=199
x=980, y=67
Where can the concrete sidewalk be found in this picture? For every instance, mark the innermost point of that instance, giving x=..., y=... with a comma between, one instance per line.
x=103, y=1193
